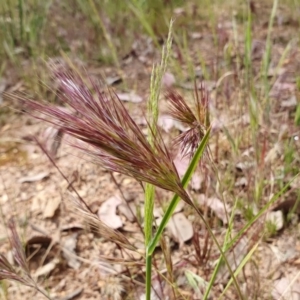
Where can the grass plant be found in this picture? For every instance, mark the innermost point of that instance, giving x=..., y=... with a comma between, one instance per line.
x=112, y=139
x=22, y=26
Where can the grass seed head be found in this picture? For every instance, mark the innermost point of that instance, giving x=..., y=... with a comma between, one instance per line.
x=111, y=136
x=197, y=119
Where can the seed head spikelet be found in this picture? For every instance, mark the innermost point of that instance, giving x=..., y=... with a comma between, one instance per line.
x=111, y=136
x=197, y=119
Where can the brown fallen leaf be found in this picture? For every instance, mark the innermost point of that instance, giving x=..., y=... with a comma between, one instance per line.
x=280, y=87
x=273, y=153
x=45, y=241
x=130, y=227
x=241, y=182
x=289, y=103
x=216, y=205
x=46, y=269
x=68, y=248
x=39, y=201
x=112, y=80
x=51, y=207
x=128, y=212
x=244, y=166
x=107, y=212
x=287, y=288
x=276, y=218
x=180, y=228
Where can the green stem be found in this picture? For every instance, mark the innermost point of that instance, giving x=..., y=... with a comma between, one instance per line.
x=163, y=224
x=148, y=276
x=198, y=154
